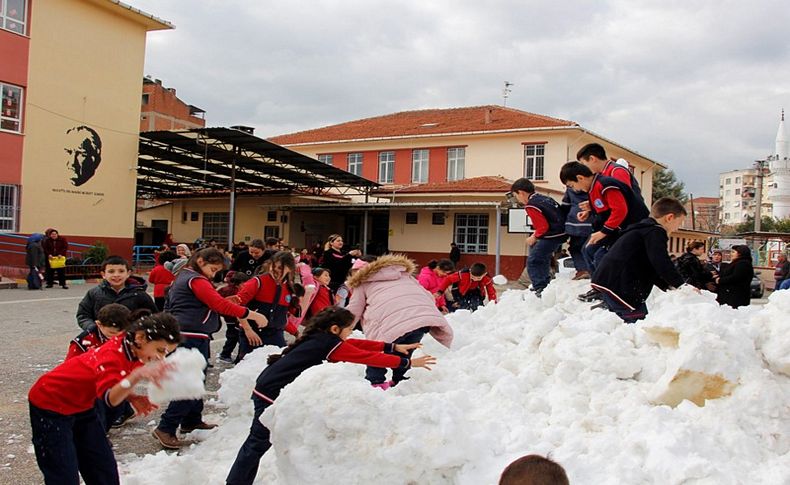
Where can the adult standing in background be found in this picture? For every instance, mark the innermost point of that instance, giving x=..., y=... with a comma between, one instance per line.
x=455, y=254
x=337, y=262
x=55, y=246
x=249, y=261
x=735, y=279
x=782, y=270
x=35, y=260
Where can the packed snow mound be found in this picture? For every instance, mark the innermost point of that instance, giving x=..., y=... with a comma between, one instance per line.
x=613, y=403
x=185, y=381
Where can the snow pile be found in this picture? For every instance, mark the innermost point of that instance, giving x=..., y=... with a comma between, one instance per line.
x=185, y=381
x=525, y=376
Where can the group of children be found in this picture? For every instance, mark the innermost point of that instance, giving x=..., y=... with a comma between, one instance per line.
x=626, y=253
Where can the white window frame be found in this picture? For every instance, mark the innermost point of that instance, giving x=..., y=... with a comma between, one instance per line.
x=3, y=116
x=456, y=161
x=4, y=18
x=420, y=160
x=386, y=167
x=471, y=233
x=326, y=158
x=535, y=161
x=9, y=208
x=355, y=163
x=215, y=225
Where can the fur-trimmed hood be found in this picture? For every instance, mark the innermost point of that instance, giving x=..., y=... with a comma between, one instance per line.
x=380, y=269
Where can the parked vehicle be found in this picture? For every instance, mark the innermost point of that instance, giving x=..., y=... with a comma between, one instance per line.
x=758, y=287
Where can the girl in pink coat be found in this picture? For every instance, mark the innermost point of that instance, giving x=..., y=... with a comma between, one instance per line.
x=393, y=307
x=431, y=277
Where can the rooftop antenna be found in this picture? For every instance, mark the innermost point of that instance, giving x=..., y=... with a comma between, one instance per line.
x=506, y=92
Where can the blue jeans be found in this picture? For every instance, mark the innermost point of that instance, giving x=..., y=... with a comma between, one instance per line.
x=269, y=336
x=108, y=415
x=622, y=311
x=187, y=413
x=575, y=246
x=255, y=446
x=539, y=261
x=68, y=446
x=785, y=285
x=377, y=375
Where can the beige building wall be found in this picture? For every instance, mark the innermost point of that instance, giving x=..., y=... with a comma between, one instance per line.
x=503, y=153
x=86, y=68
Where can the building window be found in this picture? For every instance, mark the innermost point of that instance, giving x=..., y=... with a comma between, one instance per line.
x=726, y=215
x=271, y=231
x=455, y=163
x=727, y=181
x=13, y=15
x=145, y=98
x=471, y=233
x=737, y=191
x=533, y=161
x=215, y=226
x=355, y=163
x=411, y=218
x=437, y=218
x=9, y=207
x=419, y=166
x=327, y=159
x=11, y=108
x=737, y=180
x=194, y=216
x=386, y=167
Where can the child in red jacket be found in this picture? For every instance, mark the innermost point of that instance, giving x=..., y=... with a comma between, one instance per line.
x=161, y=278
x=111, y=320
x=68, y=437
x=470, y=287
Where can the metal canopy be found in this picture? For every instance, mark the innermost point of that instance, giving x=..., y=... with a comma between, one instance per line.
x=220, y=161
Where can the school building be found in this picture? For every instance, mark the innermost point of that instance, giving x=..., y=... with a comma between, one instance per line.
x=70, y=76
x=437, y=176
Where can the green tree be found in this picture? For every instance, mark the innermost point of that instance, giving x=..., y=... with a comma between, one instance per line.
x=665, y=184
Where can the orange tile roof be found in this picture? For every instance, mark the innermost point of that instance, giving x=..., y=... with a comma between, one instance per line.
x=706, y=200
x=425, y=122
x=486, y=184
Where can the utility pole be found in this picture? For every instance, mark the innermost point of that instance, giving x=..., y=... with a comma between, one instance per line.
x=758, y=196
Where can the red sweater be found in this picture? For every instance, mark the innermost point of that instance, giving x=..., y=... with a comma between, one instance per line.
x=321, y=300
x=73, y=386
x=465, y=284
x=87, y=340
x=609, y=198
x=617, y=171
x=161, y=278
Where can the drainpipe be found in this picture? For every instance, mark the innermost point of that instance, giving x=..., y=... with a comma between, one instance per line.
x=498, y=239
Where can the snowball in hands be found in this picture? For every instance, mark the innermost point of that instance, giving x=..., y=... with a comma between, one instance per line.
x=500, y=280
x=185, y=381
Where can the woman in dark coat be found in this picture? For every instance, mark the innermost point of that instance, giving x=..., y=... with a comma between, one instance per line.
x=735, y=279
x=336, y=261
x=35, y=261
x=55, y=245
x=692, y=269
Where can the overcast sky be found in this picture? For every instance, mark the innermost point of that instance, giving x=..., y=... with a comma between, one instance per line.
x=697, y=85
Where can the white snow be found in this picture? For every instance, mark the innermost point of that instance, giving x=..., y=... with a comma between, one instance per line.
x=185, y=381
x=531, y=376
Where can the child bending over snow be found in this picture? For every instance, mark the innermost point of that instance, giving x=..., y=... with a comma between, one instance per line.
x=325, y=339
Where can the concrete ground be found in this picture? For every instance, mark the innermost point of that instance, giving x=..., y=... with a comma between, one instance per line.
x=37, y=327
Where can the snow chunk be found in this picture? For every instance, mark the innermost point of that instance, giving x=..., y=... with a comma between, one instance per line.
x=185, y=381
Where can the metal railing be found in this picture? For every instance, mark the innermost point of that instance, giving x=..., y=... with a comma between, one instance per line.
x=72, y=253
x=143, y=255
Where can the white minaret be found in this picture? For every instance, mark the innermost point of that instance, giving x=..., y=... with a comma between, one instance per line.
x=779, y=193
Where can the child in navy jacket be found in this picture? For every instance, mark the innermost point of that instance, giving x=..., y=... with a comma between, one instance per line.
x=325, y=339
x=68, y=437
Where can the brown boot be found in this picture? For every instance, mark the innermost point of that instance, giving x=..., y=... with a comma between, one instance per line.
x=167, y=440
x=581, y=275
x=201, y=425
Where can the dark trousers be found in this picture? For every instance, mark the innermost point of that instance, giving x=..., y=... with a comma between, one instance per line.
x=269, y=336
x=539, y=262
x=159, y=301
x=575, y=246
x=470, y=301
x=69, y=446
x=255, y=446
x=231, y=338
x=50, y=275
x=594, y=253
x=108, y=415
x=187, y=413
x=377, y=375
x=622, y=311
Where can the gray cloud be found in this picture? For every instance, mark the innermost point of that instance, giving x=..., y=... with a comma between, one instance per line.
x=696, y=85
